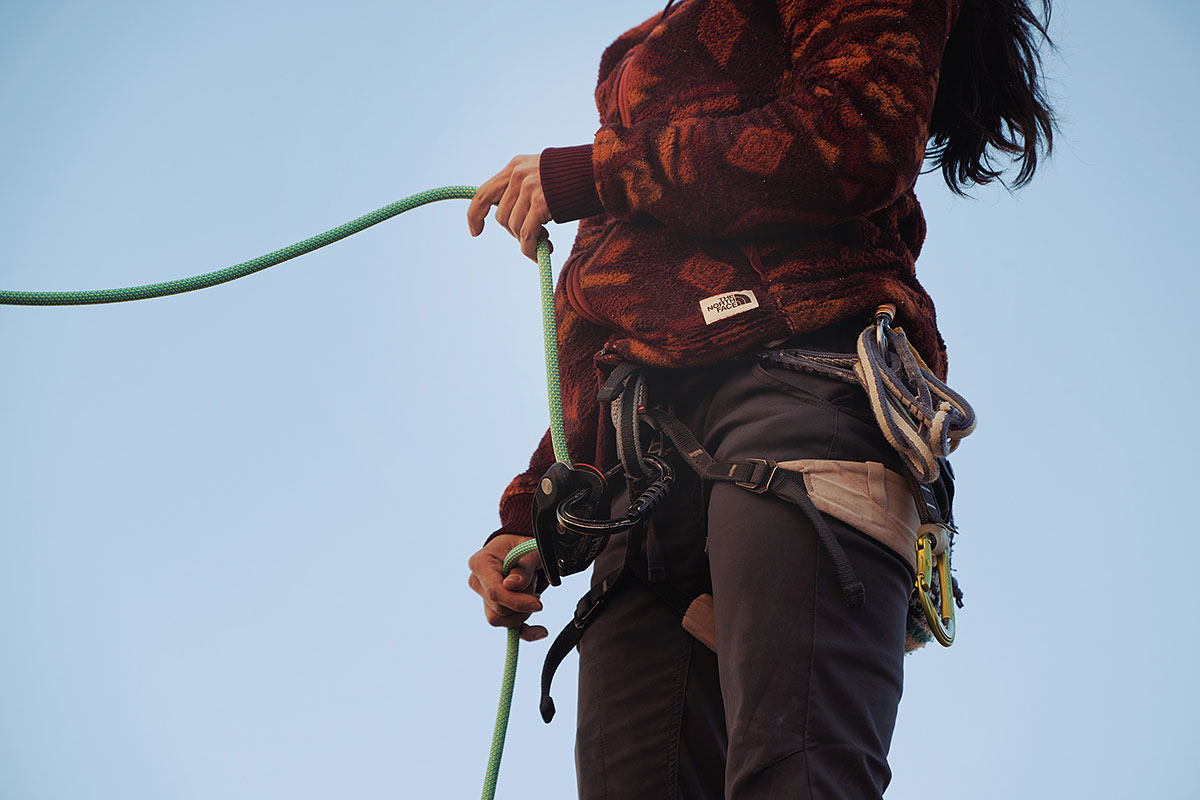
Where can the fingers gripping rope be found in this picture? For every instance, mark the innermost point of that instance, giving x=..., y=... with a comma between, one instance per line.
x=506, y=683
x=558, y=435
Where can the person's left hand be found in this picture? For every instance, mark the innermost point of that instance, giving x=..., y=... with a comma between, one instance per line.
x=521, y=210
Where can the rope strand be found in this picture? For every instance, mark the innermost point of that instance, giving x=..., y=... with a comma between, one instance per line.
x=217, y=277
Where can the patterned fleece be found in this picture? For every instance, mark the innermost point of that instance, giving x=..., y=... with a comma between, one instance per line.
x=754, y=157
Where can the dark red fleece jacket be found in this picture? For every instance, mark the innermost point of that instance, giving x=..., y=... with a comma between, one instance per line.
x=752, y=179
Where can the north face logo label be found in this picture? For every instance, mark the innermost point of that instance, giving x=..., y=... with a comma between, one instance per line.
x=723, y=306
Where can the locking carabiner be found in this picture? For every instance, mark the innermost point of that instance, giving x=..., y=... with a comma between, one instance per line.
x=571, y=507
x=884, y=315
x=933, y=550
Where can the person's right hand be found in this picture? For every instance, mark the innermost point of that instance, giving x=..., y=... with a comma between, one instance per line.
x=507, y=601
x=521, y=207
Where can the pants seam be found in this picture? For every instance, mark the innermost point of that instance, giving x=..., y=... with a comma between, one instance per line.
x=812, y=660
x=676, y=732
x=837, y=419
x=603, y=754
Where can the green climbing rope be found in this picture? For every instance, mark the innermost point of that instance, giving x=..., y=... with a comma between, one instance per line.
x=553, y=387
x=506, y=683
x=558, y=433
x=559, y=438
x=237, y=270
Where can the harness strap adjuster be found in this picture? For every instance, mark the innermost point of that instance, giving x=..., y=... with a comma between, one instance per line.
x=591, y=602
x=760, y=477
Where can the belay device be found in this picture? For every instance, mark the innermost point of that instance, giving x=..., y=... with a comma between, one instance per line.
x=571, y=504
x=570, y=513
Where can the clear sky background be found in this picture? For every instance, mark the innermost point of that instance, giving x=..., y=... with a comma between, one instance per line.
x=234, y=524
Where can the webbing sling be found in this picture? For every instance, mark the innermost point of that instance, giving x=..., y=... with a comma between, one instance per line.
x=919, y=415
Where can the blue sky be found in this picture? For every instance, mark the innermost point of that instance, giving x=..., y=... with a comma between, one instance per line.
x=234, y=524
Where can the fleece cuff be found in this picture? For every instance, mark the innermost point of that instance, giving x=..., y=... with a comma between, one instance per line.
x=516, y=516
x=569, y=183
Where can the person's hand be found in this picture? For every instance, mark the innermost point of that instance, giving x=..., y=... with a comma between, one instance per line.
x=507, y=601
x=521, y=208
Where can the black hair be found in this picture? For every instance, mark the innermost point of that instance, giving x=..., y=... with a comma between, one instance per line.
x=991, y=95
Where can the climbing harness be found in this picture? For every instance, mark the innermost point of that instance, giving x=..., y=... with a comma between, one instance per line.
x=206, y=280
x=924, y=420
x=920, y=416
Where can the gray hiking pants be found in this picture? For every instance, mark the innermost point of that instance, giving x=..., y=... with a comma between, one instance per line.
x=800, y=700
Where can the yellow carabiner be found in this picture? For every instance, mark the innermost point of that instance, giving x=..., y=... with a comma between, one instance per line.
x=933, y=548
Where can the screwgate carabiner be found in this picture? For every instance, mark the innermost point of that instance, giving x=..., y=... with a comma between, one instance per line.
x=933, y=549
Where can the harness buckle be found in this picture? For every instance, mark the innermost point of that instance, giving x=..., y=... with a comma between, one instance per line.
x=594, y=600
x=761, y=477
